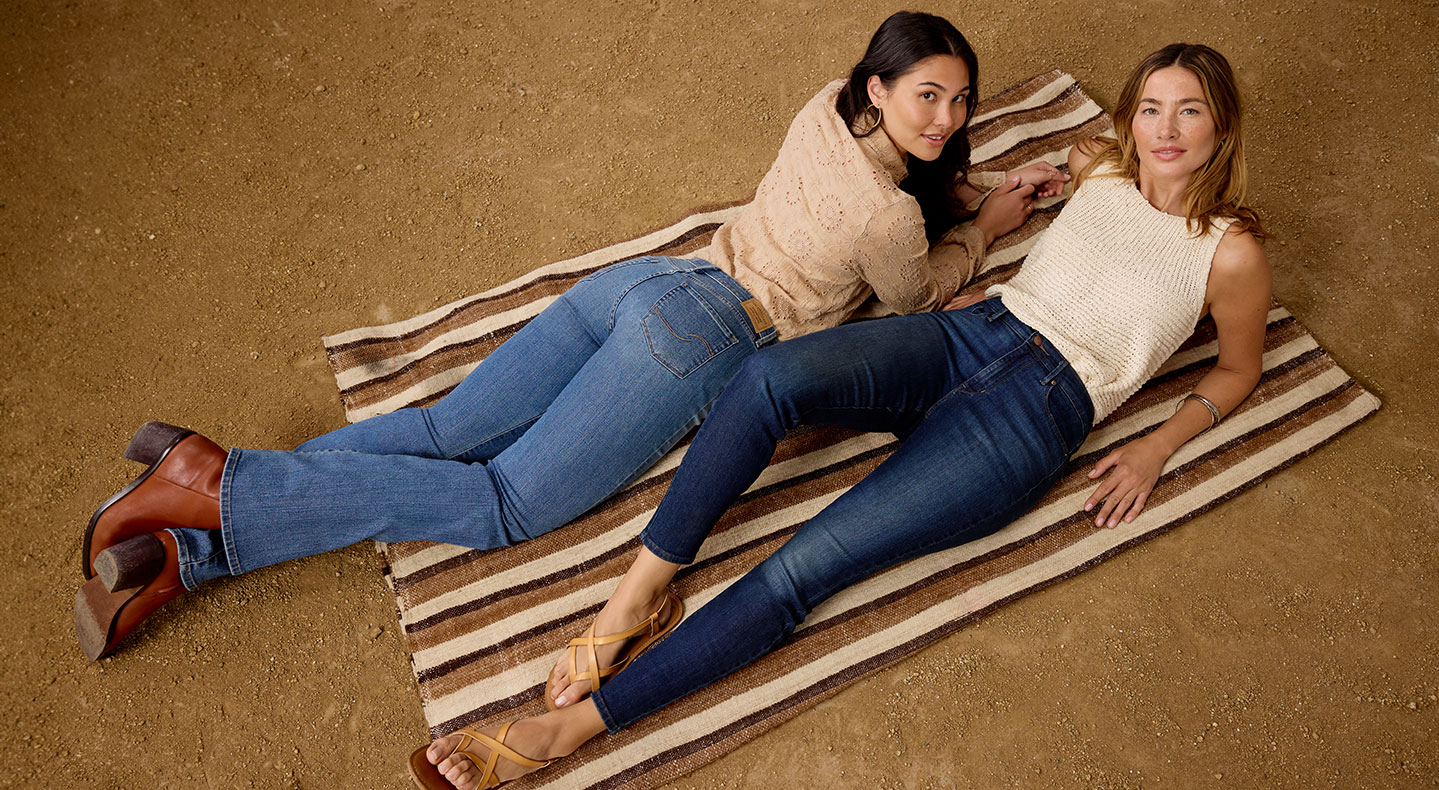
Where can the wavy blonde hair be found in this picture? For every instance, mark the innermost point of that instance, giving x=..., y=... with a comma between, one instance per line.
x=1218, y=190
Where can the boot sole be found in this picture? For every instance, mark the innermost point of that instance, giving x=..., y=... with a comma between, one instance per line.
x=96, y=611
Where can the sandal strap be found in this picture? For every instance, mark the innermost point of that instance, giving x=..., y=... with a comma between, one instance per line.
x=589, y=642
x=498, y=749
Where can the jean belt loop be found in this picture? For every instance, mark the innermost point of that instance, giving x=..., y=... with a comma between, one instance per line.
x=994, y=309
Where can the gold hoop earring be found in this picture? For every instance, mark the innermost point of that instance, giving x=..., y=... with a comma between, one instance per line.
x=878, y=116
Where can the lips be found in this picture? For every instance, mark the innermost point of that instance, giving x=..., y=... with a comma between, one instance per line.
x=936, y=140
x=1168, y=154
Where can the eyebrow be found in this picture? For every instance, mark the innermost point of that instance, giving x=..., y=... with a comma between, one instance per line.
x=1181, y=101
x=965, y=89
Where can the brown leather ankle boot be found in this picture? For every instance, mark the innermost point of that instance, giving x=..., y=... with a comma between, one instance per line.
x=137, y=577
x=181, y=488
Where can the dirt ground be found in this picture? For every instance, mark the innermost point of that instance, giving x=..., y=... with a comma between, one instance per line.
x=192, y=193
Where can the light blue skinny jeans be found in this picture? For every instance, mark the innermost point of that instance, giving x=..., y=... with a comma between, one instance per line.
x=580, y=401
x=989, y=413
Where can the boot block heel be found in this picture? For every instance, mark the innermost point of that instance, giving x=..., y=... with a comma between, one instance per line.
x=131, y=563
x=96, y=610
x=150, y=443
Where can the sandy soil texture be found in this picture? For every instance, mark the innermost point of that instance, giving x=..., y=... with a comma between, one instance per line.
x=192, y=193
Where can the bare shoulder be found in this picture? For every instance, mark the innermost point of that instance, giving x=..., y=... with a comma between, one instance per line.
x=1082, y=152
x=1241, y=257
x=1240, y=280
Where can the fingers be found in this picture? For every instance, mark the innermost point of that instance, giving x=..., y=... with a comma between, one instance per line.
x=1137, y=507
x=1100, y=494
x=1103, y=464
x=1119, y=498
x=1105, y=509
x=1119, y=509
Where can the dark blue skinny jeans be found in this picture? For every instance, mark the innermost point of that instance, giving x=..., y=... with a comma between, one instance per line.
x=988, y=413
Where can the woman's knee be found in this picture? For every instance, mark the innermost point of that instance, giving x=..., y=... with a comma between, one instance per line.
x=789, y=589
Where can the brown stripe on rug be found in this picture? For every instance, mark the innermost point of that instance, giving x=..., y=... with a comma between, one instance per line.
x=483, y=628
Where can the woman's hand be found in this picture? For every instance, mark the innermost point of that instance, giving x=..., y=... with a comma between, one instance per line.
x=964, y=300
x=1005, y=209
x=1046, y=179
x=1133, y=470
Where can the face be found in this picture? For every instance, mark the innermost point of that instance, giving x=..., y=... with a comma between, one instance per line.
x=924, y=106
x=1174, y=130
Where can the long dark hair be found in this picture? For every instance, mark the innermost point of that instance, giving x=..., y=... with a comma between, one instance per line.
x=902, y=41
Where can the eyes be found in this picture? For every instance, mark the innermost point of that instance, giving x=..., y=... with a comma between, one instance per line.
x=1151, y=111
x=931, y=96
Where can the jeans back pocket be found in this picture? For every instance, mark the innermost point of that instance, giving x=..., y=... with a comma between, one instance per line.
x=684, y=331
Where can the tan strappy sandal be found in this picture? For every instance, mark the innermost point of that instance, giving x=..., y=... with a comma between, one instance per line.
x=428, y=777
x=644, y=634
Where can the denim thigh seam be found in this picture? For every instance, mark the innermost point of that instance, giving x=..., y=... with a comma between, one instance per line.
x=669, y=443
x=425, y=413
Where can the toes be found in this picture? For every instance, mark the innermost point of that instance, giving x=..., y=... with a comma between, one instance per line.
x=572, y=693
x=461, y=773
x=438, y=750
x=463, y=778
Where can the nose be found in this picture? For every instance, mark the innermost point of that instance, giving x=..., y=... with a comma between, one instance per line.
x=1167, y=126
x=945, y=117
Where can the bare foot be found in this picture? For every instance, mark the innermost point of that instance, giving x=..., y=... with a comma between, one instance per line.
x=616, y=617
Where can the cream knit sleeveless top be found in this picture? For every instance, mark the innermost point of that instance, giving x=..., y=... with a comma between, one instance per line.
x=1115, y=284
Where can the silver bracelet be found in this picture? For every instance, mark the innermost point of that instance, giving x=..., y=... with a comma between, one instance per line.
x=1208, y=404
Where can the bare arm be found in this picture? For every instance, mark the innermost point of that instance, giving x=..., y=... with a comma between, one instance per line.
x=1238, y=298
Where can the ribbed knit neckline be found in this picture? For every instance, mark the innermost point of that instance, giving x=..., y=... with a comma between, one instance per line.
x=1144, y=200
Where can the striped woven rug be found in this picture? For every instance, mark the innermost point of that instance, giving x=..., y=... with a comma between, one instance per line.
x=483, y=628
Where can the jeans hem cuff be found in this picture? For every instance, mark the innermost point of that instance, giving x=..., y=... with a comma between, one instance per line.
x=227, y=518
x=608, y=718
x=658, y=551
x=182, y=554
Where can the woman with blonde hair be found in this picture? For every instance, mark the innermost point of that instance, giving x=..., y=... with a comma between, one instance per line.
x=990, y=397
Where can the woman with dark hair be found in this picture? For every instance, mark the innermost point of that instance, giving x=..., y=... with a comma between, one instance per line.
x=597, y=387
x=990, y=398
